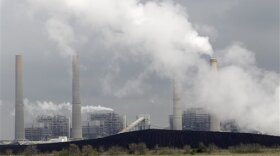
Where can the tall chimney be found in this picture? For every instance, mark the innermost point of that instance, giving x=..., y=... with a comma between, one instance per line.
x=177, y=111
x=76, y=102
x=214, y=120
x=214, y=64
x=19, y=106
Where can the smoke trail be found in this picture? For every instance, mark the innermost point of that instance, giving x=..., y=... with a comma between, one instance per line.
x=161, y=32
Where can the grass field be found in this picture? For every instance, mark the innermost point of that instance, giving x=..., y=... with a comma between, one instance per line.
x=141, y=149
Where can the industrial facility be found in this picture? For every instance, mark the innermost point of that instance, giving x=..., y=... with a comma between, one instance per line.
x=196, y=119
x=102, y=124
x=48, y=127
x=97, y=125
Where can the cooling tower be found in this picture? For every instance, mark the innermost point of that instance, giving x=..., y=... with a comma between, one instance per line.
x=76, y=102
x=214, y=120
x=19, y=106
x=177, y=110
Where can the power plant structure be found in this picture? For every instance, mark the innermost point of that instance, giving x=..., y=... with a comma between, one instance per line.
x=19, y=105
x=142, y=122
x=178, y=120
x=114, y=123
x=214, y=120
x=102, y=124
x=177, y=110
x=76, y=101
x=48, y=127
x=196, y=119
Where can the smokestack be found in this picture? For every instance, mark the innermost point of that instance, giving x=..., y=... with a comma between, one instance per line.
x=214, y=64
x=76, y=102
x=177, y=111
x=19, y=106
x=214, y=120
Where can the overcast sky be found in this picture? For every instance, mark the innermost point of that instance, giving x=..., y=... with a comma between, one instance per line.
x=47, y=75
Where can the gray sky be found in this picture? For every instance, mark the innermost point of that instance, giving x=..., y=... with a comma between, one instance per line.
x=47, y=74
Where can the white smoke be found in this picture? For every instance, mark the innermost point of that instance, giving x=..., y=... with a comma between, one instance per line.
x=161, y=32
x=62, y=34
x=158, y=29
x=239, y=90
x=38, y=108
x=95, y=109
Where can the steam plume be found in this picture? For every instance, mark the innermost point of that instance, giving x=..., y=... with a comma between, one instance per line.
x=34, y=109
x=161, y=32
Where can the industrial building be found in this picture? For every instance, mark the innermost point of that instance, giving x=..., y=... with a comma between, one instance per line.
x=97, y=125
x=48, y=127
x=196, y=119
x=102, y=124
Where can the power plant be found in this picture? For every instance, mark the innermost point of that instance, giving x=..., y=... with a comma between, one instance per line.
x=19, y=106
x=196, y=119
x=76, y=101
x=178, y=119
x=106, y=128
x=193, y=118
x=53, y=126
x=48, y=127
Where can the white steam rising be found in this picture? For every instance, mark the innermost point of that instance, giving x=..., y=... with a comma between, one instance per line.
x=161, y=32
x=158, y=29
x=91, y=109
x=62, y=34
x=239, y=91
x=34, y=109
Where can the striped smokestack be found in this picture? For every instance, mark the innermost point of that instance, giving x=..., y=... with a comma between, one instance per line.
x=214, y=120
x=19, y=106
x=76, y=102
x=177, y=110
